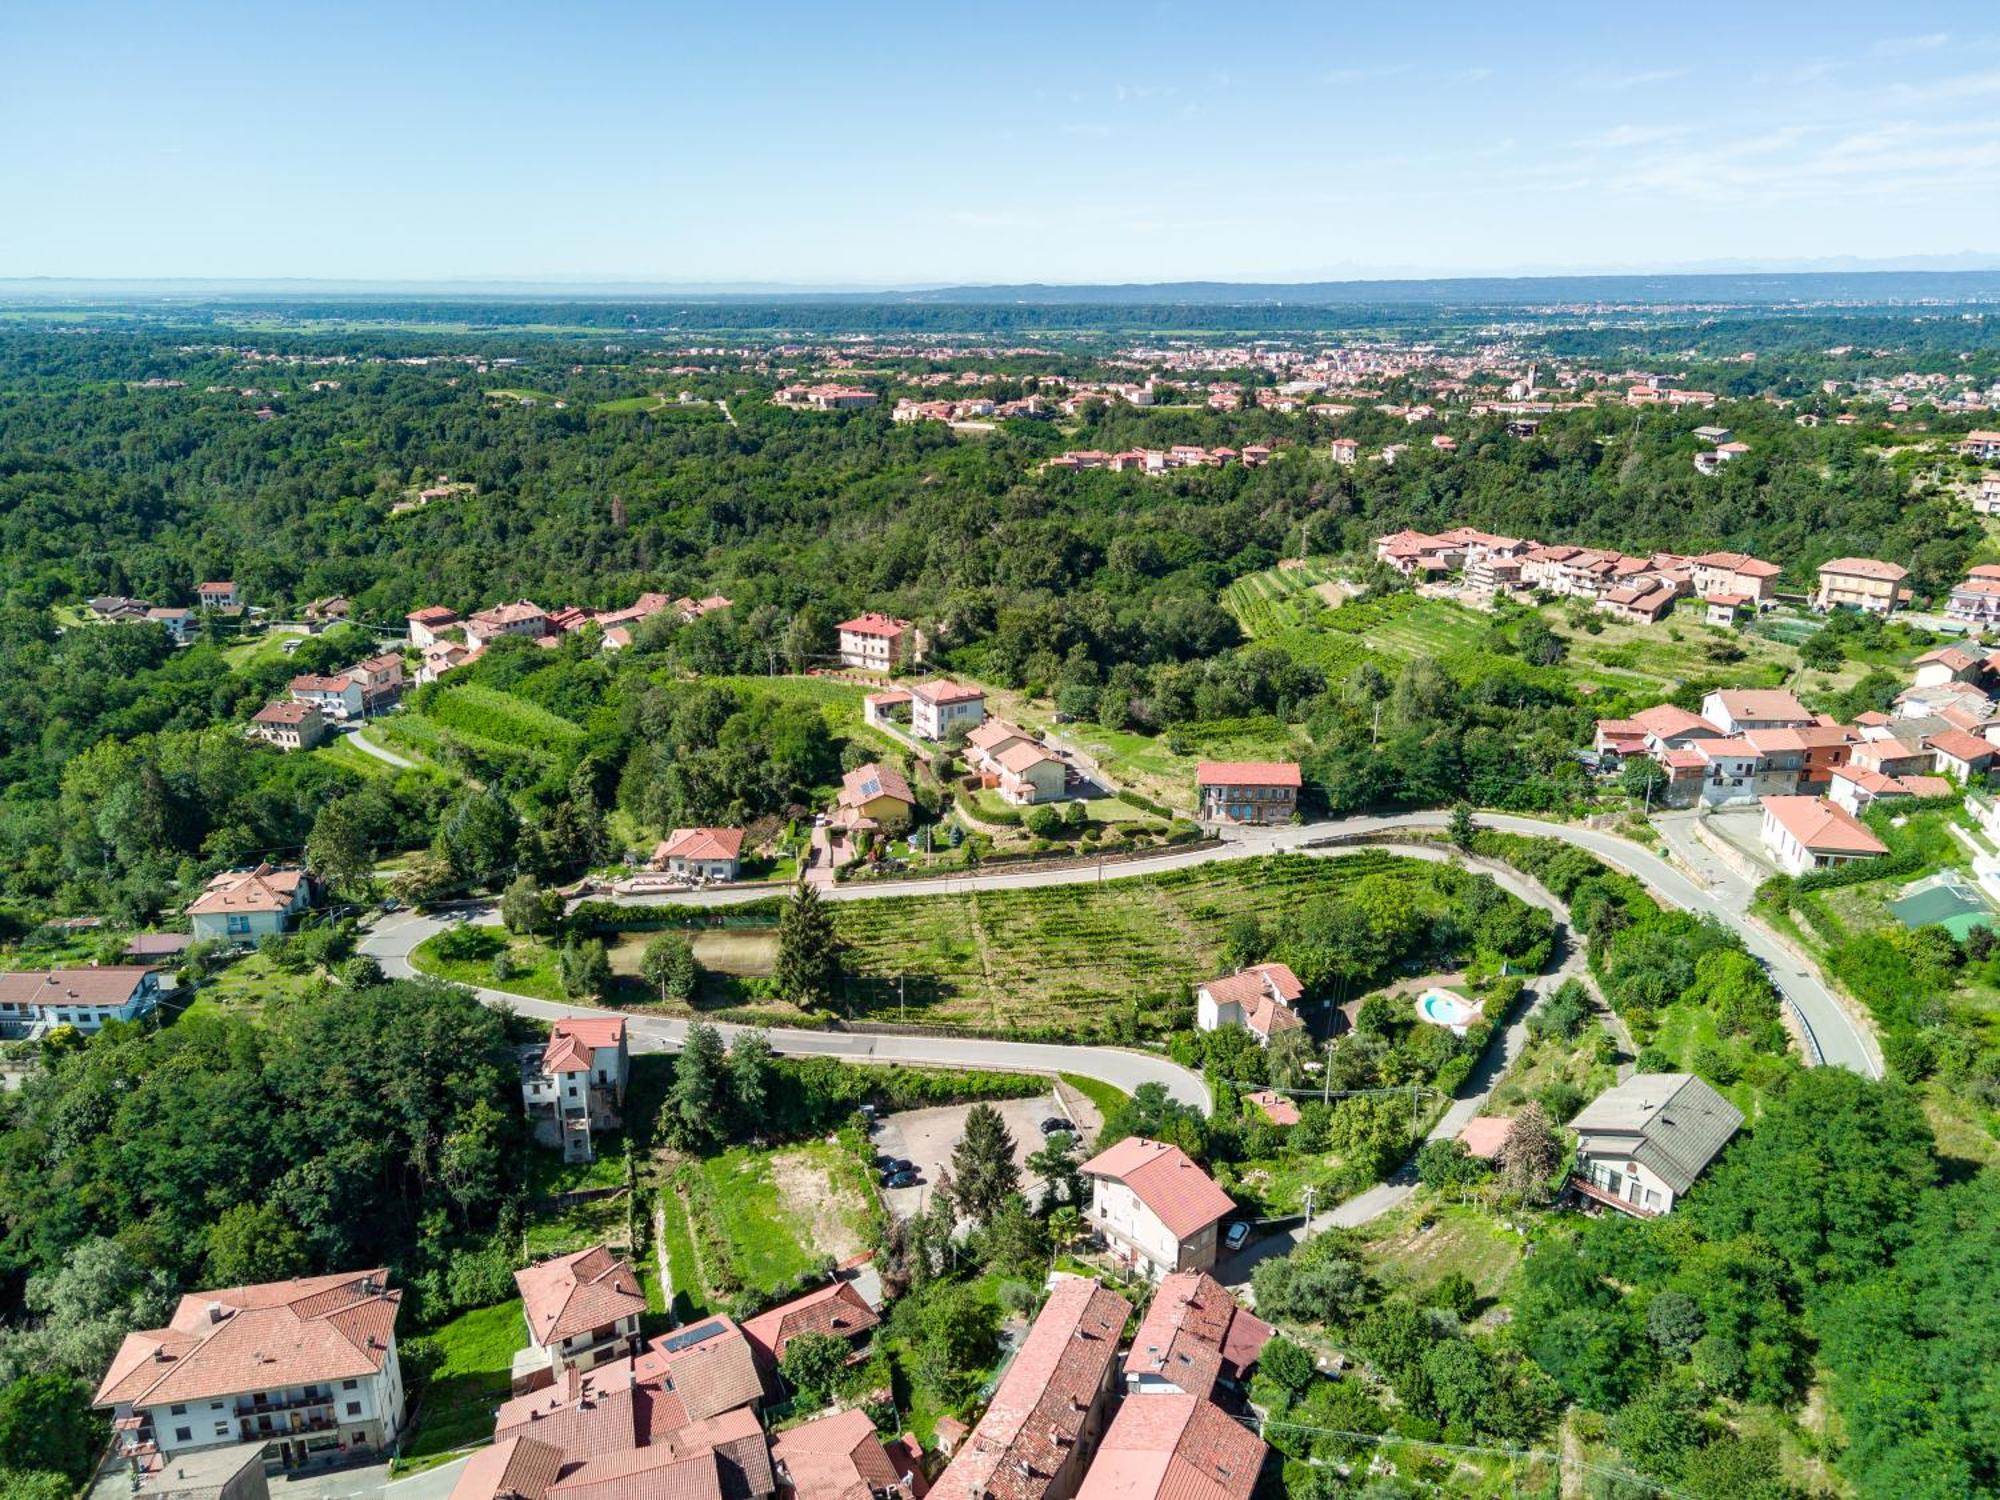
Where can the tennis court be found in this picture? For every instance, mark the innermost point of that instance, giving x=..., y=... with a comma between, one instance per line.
x=1945, y=901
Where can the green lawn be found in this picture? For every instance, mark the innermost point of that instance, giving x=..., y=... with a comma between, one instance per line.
x=784, y=1211
x=534, y=974
x=1466, y=1239
x=261, y=649
x=600, y=1221
x=690, y=1296
x=1105, y=1096
x=245, y=986
x=341, y=751
x=475, y=1358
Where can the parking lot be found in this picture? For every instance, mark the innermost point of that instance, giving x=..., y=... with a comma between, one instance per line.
x=927, y=1136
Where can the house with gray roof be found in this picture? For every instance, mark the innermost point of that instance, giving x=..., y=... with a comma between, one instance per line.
x=1641, y=1144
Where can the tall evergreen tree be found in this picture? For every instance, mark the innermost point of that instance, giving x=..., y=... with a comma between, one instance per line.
x=982, y=1164
x=810, y=952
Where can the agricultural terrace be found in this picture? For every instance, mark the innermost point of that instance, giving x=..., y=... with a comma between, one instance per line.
x=1117, y=960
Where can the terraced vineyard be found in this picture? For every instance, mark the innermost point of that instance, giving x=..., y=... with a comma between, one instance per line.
x=1074, y=958
x=1278, y=598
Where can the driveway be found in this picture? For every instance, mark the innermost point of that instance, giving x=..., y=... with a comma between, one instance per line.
x=432, y=1484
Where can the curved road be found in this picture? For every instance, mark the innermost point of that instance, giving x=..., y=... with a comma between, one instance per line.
x=1844, y=1041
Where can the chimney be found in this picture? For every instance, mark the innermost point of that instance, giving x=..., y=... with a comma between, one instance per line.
x=215, y=1313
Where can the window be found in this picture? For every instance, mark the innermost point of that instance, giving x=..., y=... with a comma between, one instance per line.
x=182, y=1435
x=350, y=1385
x=354, y=1408
x=177, y=1409
x=238, y=923
x=222, y=1429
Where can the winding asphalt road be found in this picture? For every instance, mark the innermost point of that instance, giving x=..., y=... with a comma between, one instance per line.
x=1841, y=1039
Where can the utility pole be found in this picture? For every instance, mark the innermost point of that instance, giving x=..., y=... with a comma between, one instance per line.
x=1306, y=1237
x=1326, y=1079
x=899, y=1000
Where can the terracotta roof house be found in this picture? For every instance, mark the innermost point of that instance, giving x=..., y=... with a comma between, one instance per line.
x=1155, y=1208
x=1733, y=710
x=1042, y=1425
x=1273, y=1106
x=1666, y=727
x=523, y=618
x=1249, y=791
x=274, y=1362
x=34, y=1001
x=1967, y=757
x=1259, y=998
x=1642, y=1143
x=521, y=1468
x=875, y=642
x=574, y=1084
x=840, y=1457
x=710, y=1367
x=837, y=1310
x=723, y=1458
x=289, y=726
x=582, y=1310
x=337, y=698
x=940, y=708
x=1811, y=833
x=707, y=853
x=426, y=624
x=1193, y=1338
x=874, y=796
x=1175, y=1448
x=1859, y=583
x=219, y=595
x=249, y=905
x=1029, y=774
x=147, y=947
x=1484, y=1135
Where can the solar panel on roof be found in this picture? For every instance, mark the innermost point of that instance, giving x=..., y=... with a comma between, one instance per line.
x=687, y=1338
x=871, y=787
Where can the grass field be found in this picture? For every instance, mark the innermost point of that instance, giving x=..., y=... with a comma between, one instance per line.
x=262, y=649
x=1468, y=1240
x=1279, y=598
x=534, y=971
x=782, y=1212
x=1071, y=958
x=475, y=1358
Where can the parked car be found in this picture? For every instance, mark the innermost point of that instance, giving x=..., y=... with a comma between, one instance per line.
x=1237, y=1236
x=1054, y=1126
x=900, y=1180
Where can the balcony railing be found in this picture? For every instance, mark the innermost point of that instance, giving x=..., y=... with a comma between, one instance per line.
x=255, y=1407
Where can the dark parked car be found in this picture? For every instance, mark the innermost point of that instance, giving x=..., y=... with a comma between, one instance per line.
x=900, y=1180
x=1054, y=1126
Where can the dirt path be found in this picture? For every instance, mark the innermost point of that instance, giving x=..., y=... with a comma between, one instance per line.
x=812, y=1196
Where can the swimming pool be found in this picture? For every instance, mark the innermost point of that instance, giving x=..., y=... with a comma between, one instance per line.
x=1443, y=1008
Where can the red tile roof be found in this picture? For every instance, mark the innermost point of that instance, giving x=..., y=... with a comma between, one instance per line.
x=1247, y=773
x=576, y=1293
x=1275, y=1107
x=264, y=889
x=1865, y=567
x=700, y=843
x=255, y=1338
x=1822, y=827
x=836, y=1309
x=521, y=1468
x=1485, y=1134
x=1165, y=1179
x=1174, y=1448
x=840, y=1457
x=99, y=984
x=1043, y=1401
x=711, y=1368
x=873, y=623
x=1194, y=1332
x=944, y=690
x=864, y=784
x=1960, y=745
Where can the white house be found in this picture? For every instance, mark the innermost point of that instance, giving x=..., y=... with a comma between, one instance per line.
x=1733, y=710
x=582, y=1311
x=308, y=1367
x=219, y=595
x=1854, y=788
x=1729, y=770
x=33, y=1001
x=427, y=625
x=575, y=1083
x=289, y=726
x=876, y=642
x=338, y=699
x=1641, y=1144
x=523, y=617
x=1155, y=1208
x=1258, y=998
x=701, y=853
x=984, y=744
x=941, y=707
x=178, y=623
x=1811, y=833
x=249, y=905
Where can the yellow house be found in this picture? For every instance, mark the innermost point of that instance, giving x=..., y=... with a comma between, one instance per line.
x=873, y=796
x=1859, y=583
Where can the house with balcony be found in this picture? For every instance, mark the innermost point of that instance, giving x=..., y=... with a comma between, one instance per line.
x=251, y=904
x=35, y=1001
x=1976, y=601
x=338, y=699
x=1247, y=791
x=178, y=623
x=582, y=1311
x=1733, y=710
x=1735, y=573
x=219, y=595
x=427, y=625
x=941, y=708
x=1028, y=774
x=1859, y=583
x=523, y=617
x=1641, y=1144
x=701, y=853
x=306, y=1367
x=380, y=679
x=574, y=1085
x=875, y=642
x=1156, y=1210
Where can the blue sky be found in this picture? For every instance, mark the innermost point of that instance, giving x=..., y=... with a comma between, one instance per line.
x=837, y=143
